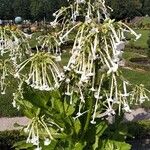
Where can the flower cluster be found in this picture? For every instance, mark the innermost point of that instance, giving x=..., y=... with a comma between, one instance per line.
x=43, y=73
x=37, y=129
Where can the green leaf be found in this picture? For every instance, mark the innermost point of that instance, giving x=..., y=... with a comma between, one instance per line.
x=57, y=105
x=79, y=146
x=70, y=111
x=100, y=128
x=37, y=98
x=115, y=145
x=77, y=125
x=22, y=145
x=28, y=109
x=95, y=145
x=60, y=135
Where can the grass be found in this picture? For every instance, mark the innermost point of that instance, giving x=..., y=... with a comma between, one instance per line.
x=137, y=77
x=6, y=108
x=142, y=41
x=127, y=55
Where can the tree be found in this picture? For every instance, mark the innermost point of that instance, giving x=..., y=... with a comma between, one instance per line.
x=125, y=9
x=6, y=11
x=146, y=7
x=22, y=8
x=40, y=9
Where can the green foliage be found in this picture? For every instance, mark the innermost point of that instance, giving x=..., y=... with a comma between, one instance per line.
x=29, y=9
x=8, y=138
x=125, y=9
x=38, y=9
x=6, y=108
x=139, y=129
x=21, y=8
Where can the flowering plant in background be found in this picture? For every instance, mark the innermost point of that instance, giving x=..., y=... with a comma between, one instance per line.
x=71, y=106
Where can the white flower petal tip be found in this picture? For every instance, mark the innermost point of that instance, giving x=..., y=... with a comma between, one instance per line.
x=113, y=69
x=138, y=36
x=93, y=122
x=68, y=93
x=26, y=130
x=16, y=75
x=92, y=89
x=61, y=129
x=14, y=104
x=66, y=68
x=58, y=58
x=94, y=30
x=47, y=142
x=3, y=92
x=126, y=108
x=80, y=1
x=110, y=100
x=67, y=80
x=90, y=74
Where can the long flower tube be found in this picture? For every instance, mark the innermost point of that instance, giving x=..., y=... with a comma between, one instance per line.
x=38, y=129
x=44, y=73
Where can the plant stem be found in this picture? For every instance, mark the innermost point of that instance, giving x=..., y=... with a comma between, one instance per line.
x=88, y=117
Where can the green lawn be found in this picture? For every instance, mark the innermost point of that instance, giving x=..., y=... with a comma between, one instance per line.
x=129, y=54
x=142, y=42
x=137, y=77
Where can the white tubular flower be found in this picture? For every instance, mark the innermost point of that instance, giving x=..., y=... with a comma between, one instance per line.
x=125, y=94
x=79, y=114
x=108, y=112
x=137, y=36
x=34, y=130
x=126, y=108
x=80, y=1
x=94, y=30
x=97, y=97
x=68, y=93
x=14, y=104
x=88, y=19
x=113, y=69
x=44, y=74
x=58, y=58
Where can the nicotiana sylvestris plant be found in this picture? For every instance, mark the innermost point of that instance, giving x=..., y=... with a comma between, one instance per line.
x=71, y=106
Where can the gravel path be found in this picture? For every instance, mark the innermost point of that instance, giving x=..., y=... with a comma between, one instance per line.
x=8, y=123
x=137, y=114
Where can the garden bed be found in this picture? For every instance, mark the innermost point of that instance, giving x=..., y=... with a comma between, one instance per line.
x=139, y=63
